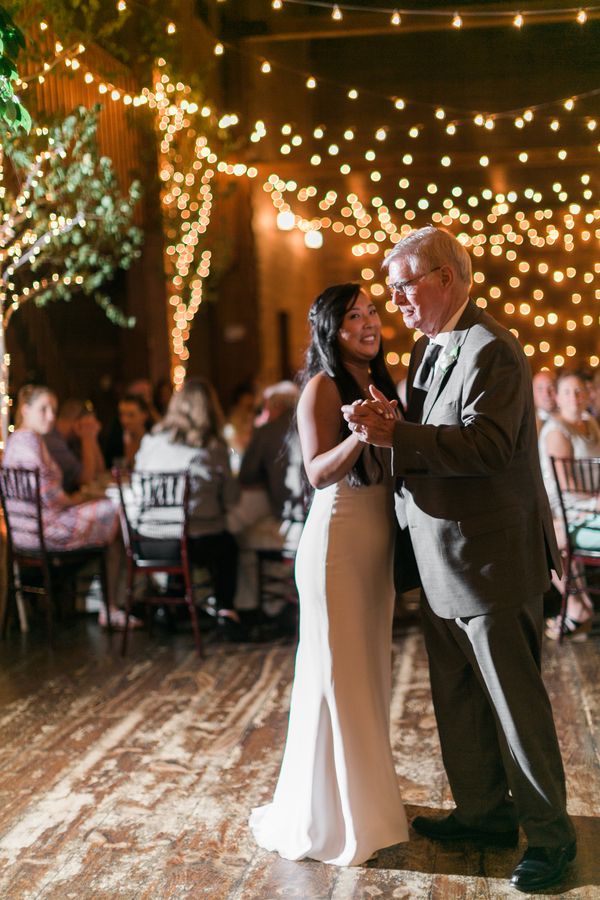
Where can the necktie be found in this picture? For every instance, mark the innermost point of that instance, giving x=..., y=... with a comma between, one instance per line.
x=422, y=382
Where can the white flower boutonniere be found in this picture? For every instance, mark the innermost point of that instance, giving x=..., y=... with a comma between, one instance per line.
x=448, y=358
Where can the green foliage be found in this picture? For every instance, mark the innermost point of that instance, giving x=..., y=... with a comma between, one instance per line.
x=71, y=218
x=12, y=113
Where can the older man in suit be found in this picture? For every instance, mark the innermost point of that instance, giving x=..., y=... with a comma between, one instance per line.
x=483, y=539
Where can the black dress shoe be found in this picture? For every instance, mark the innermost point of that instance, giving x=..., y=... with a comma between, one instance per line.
x=541, y=867
x=450, y=829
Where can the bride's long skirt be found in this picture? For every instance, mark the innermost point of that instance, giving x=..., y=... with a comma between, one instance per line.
x=337, y=797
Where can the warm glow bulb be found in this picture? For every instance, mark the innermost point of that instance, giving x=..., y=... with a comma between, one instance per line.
x=569, y=104
x=336, y=13
x=381, y=134
x=313, y=239
x=399, y=103
x=265, y=67
x=440, y=113
x=396, y=18
x=457, y=21
x=451, y=128
x=353, y=94
x=121, y=6
x=311, y=82
x=219, y=50
x=581, y=17
x=518, y=21
x=286, y=221
x=171, y=28
x=277, y=4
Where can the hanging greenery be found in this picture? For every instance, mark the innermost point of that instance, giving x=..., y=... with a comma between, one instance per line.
x=66, y=227
x=12, y=112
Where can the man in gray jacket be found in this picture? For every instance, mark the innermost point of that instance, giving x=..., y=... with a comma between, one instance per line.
x=482, y=533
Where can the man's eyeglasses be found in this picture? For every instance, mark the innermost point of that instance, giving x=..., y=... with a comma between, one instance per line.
x=400, y=287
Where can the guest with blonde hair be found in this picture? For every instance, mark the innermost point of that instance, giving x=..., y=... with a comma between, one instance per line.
x=70, y=522
x=190, y=439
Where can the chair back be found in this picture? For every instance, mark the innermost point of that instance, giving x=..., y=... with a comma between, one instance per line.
x=578, y=487
x=153, y=506
x=22, y=507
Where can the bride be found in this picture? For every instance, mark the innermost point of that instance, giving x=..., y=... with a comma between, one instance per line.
x=337, y=797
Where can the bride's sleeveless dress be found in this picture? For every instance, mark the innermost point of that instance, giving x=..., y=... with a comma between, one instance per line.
x=337, y=797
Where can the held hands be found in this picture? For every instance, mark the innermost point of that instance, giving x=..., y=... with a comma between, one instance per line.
x=373, y=421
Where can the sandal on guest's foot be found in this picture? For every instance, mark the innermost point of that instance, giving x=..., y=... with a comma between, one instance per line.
x=117, y=620
x=572, y=630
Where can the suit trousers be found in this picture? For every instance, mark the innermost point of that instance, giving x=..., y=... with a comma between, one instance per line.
x=495, y=722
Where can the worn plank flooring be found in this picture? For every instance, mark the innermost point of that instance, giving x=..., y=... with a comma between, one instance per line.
x=133, y=779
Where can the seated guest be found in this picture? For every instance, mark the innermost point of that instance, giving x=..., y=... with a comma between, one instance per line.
x=573, y=434
x=162, y=393
x=73, y=445
x=265, y=515
x=69, y=523
x=190, y=438
x=240, y=422
x=138, y=396
x=544, y=397
x=594, y=392
x=265, y=460
x=126, y=435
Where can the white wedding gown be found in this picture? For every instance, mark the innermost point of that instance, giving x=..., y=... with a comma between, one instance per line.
x=337, y=797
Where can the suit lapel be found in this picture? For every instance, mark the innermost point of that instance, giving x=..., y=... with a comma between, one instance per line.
x=448, y=358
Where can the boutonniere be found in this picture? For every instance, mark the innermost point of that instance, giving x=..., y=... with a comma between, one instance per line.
x=448, y=358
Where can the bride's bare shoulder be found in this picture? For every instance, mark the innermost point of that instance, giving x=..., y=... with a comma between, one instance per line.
x=320, y=389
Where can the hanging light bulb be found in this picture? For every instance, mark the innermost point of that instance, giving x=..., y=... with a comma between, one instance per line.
x=396, y=18
x=457, y=21
x=277, y=4
x=171, y=28
x=440, y=113
x=399, y=103
x=313, y=239
x=311, y=82
x=219, y=49
x=336, y=13
x=352, y=94
x=581, y=17
x=569, y=104
x=518, y=21
x=286, y=221
x=265, y=67
x=451, y=128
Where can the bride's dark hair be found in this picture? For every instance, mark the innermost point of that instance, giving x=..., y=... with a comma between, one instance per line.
x=323, y=355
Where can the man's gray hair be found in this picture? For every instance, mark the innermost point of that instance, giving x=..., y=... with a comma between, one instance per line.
x=430, y=247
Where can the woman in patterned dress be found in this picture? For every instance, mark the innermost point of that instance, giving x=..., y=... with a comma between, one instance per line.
x=69, y=521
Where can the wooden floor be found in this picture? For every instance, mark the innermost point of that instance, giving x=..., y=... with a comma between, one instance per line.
x=134, y=779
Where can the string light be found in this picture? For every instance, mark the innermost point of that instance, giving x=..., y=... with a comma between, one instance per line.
x=518, y=21
x=582, y=17
x=396, y=18
x=277, y=4
x=457, y=21
x=336, y=13
x=368, y=235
